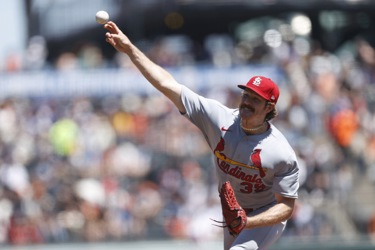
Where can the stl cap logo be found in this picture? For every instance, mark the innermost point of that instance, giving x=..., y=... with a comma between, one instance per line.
x=257, y=81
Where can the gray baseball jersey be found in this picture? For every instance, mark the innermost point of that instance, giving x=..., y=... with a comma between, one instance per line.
x=256, y=165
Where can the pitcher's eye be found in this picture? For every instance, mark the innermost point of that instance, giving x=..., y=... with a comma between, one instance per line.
x=245, y=95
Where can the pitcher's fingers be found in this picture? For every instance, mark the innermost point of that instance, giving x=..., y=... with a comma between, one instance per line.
x=109, y=26
x=114, y=26
x=110, y=41
x=114, y=36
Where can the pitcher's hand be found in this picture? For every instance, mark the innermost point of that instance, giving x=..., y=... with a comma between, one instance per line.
x=117, y=38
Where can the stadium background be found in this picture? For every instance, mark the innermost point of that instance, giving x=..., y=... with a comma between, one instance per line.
x=92, y=157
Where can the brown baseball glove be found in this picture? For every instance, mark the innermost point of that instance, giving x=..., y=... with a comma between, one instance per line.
x=234, y=215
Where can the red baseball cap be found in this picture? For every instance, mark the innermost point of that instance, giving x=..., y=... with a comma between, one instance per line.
x=264, y=87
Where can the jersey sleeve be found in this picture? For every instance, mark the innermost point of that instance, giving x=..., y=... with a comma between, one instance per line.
x=286, y=179
x=207, y=114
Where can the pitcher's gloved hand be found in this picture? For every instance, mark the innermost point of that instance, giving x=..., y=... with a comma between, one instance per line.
x=234, y=215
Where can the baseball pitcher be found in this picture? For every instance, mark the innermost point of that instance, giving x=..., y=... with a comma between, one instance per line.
x=256, y=167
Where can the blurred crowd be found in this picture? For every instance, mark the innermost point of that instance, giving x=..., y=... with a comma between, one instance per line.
x=130, y=167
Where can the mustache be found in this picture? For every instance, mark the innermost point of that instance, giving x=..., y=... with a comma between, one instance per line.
x=242, y=106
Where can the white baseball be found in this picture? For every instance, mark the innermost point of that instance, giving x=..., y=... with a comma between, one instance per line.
x=102, y=17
